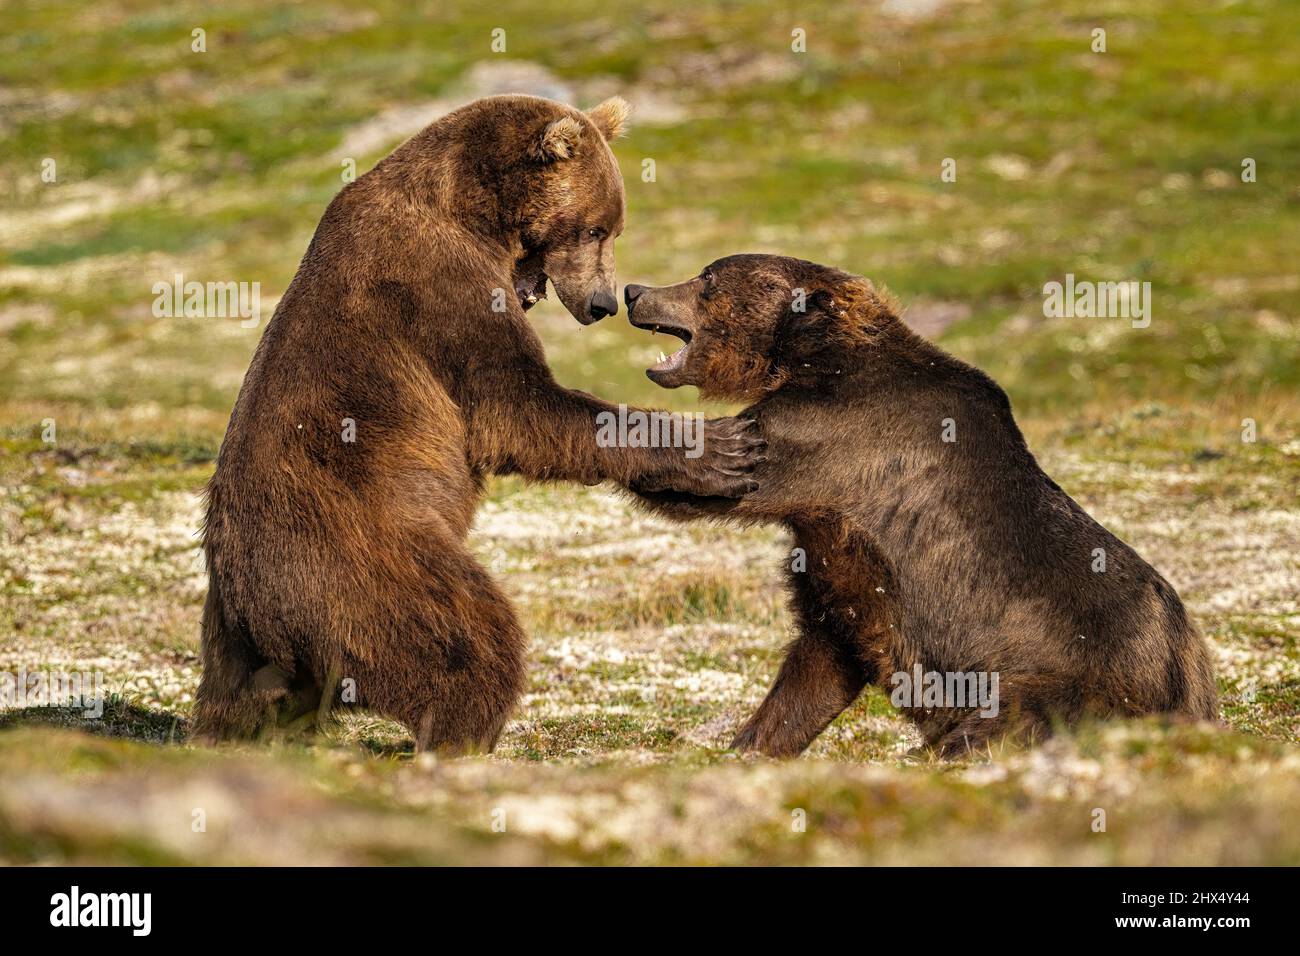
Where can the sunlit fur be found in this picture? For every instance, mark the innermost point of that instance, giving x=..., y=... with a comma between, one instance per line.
x=340, y=568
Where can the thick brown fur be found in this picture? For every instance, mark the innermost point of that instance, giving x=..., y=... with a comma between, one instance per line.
x=959, y=556
x=340, y=565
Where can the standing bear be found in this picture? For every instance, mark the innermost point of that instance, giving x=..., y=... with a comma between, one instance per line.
x=398, y=371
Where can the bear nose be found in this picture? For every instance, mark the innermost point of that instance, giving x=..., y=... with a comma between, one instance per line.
x=601, y=305
x=631, y=293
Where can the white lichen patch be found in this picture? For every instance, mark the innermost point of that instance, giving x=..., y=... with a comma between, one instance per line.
x=651, y=644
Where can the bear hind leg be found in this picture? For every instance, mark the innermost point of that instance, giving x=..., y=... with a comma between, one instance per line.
x=452, y=665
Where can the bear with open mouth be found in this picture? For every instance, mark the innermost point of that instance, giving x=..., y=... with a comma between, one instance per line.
x=927, y=538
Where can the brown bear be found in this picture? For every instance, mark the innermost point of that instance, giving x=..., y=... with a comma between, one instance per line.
x=932, y=551
x=397, y=372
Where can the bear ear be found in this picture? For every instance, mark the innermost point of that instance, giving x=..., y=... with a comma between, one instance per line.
x=823, y=301
x=610, y=117
x=802, y=331
x=559, y=140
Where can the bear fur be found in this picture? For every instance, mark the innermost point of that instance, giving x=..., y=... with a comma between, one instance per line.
x=397, y=373
x=959, y=556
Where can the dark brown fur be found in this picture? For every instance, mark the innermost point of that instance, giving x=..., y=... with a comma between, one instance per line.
x=344, y=564
x=961, y=556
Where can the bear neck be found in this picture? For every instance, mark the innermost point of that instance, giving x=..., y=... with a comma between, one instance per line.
x=838, y=357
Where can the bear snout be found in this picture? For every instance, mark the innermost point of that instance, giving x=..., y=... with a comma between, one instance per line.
x=601, y=304
x=631, y=293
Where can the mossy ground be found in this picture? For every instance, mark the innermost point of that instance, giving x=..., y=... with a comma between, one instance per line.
x=652, y=641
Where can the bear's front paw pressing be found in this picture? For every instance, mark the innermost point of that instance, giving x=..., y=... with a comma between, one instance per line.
x=730, y=452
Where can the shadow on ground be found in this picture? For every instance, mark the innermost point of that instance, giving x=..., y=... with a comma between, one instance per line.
x=119, y=719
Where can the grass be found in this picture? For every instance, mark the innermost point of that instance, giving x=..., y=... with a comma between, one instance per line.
x=651, y=642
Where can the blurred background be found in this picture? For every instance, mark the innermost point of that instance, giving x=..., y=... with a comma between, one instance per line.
x=1122, y=165
x=141, y=140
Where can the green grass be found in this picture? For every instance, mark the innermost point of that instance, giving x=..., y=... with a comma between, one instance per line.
x=652, y=642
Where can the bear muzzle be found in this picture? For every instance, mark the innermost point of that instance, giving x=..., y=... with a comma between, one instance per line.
x=601, y=304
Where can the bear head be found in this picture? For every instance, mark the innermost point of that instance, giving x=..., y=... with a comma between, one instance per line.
x=753, y=323
x=571, y=209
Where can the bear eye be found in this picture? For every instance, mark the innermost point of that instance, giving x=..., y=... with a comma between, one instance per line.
x=709, y=281
x=595, y=233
